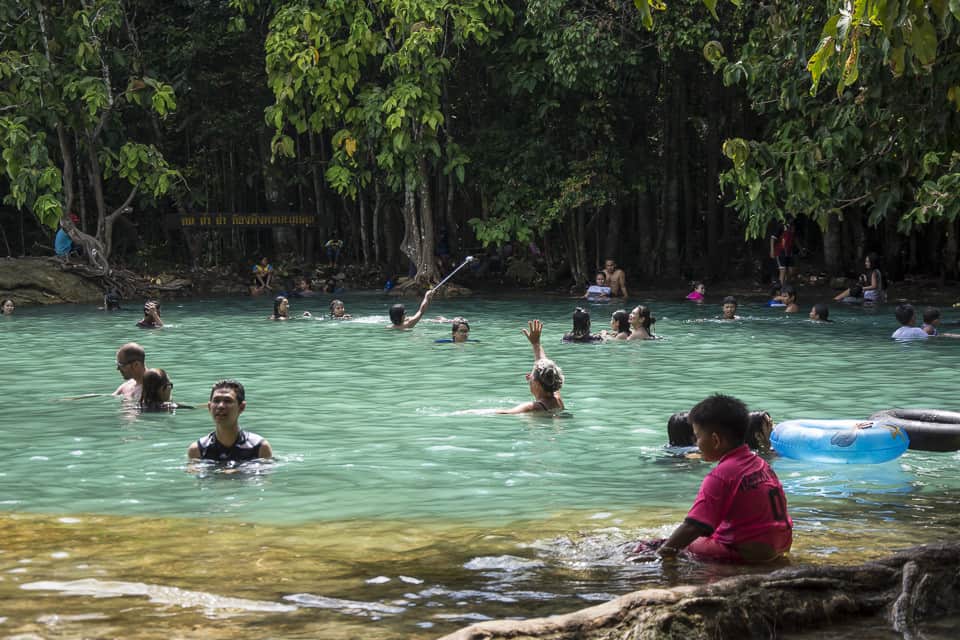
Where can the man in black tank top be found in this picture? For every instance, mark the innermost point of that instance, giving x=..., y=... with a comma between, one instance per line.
x=228, y=442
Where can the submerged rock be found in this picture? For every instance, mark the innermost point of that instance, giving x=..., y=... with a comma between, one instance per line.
x=901, y=592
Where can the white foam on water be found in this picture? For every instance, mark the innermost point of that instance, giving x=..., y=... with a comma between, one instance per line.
x=53, y=619
x=355, y=607
x=211, y=603
x=378, y=580
x=501, y=563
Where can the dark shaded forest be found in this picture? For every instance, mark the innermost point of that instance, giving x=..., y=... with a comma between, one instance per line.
x=670, y=138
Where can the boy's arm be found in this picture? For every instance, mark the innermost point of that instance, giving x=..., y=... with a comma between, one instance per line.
x=683, y=535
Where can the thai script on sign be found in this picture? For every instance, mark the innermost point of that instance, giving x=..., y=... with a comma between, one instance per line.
x=247, y=220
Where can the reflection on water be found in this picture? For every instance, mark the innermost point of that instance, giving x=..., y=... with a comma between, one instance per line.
x=397, y=506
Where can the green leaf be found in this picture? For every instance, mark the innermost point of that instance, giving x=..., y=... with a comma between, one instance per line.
x=819, y=61
x=954, y=8
x=646, y=18
x=712, y=6
x=925, y=42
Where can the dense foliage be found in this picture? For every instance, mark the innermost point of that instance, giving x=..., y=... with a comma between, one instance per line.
x=669, y=137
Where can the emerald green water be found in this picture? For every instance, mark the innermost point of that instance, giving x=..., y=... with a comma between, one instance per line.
x=385, y=495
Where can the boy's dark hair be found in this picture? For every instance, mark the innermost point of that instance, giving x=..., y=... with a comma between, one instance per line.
x=679, y=431
x=229, y=384
x=396, y=313
x=931, y=315
x=723, y=414
x=904, y=313
x=822, y=311
x=729, y=300
x=791, y=291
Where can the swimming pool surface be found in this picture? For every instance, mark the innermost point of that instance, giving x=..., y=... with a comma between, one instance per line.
x=388, y=511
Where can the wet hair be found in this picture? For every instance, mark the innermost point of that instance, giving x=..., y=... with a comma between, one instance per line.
x=647, y=319
x=730, y=300
x=724, y=415
x=456, y=322
x=904, y=313
x=230, y=384
x=755, y=437
x=5, y=301
x=622, y=319
x=790, y=291
x=680, y=431
x=276, y=307
x=151, y=304
x=111, y=300
x=581, y=322
x=397, y=312
x=548, y=374
x=154, y=381
x=132, y=352
x=822, y=311
x=931, y=315
x=334, y=303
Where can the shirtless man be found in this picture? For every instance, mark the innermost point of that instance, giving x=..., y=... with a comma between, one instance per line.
x=616, y=279
x=131, y=365
x=228, y=442
x=398, y=313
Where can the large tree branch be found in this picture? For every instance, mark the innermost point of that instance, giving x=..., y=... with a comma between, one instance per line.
x=125, y=207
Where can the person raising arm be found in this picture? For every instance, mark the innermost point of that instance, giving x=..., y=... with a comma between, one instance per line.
x=398, y=314
x=545, y=379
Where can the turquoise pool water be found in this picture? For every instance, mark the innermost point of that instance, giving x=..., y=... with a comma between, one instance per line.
x=385, y=494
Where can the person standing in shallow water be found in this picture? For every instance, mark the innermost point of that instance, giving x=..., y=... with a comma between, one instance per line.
x=228, y=442
x=131, y=360
x=616, y=279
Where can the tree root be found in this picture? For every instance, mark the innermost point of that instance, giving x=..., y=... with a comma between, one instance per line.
x=913, y=586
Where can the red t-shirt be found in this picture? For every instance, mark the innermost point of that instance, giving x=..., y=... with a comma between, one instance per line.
x=742, y=500
x=784, y=243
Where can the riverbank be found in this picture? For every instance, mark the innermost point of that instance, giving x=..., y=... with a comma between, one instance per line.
x=31, y=281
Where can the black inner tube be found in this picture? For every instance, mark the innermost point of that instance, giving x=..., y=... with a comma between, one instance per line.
x=920, y=415
x=928, y=429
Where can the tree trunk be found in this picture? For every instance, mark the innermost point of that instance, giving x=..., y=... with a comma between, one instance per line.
x=377, y=206
x=364, y=227
x=427, y=265
x=832, y=247
x=410, y=245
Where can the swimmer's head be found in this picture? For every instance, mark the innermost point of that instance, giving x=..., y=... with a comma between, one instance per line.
x=156, y=387
x=729, y=307
x=759, y=428
x=641, y=316
x=820, y=312
x=7, y=307
x=679, y=430
x=700, y=288
x=130, y=361
x=460, y=329
x=790, y=294
x=620, y=321
x=111, y=300
x=281, y=307
x=601, y=279
x=547, y=374
x=337, y=310
x=150, y=306
x=931, y=315
x=397, y=313
x=237, y=388
x=581, y=322
x=905, y=314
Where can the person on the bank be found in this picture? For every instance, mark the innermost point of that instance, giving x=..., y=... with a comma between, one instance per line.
x=581, y=328
x=781, y=250
x=599, y=289
x=151, y=315
x=398, y=313
x=619, y=326
x=740, y=514
x=262, y=275
x=333, y=247
x=641, y=323
x=131, y=360
x=616, y=279
x=545, y=379
x=7, y=307
x=907, y=317
x=228, y=442
x=870, y=287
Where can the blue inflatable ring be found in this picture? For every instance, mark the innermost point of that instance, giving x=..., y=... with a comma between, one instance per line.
x=839, y=441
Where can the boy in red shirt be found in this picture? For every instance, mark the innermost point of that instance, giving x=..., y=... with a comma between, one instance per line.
x=740, y=514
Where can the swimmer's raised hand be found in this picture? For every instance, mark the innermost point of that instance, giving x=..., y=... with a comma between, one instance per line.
x=534, y=331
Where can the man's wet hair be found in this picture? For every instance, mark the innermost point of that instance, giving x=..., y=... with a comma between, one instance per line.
x=396, y=313
x=931, y=315
x=822, y=311
x=791, y=291
x=722, y=414
x=729, y=300
x=230, y=384
x=904, y=313
x=132, y=351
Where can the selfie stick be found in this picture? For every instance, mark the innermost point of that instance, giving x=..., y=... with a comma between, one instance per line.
x=468, y=260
